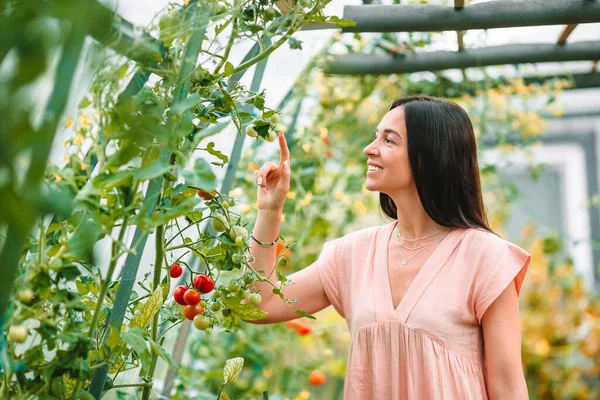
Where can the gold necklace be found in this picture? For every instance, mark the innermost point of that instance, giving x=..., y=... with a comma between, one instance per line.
x=415, y=239
x=413, y=248
x=405, y=260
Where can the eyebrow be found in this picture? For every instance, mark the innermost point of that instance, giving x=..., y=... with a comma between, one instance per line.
x=389, y=131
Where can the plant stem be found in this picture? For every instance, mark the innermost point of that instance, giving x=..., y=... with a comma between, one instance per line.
x=144, y=384
x=229, y=44
x=267, y=52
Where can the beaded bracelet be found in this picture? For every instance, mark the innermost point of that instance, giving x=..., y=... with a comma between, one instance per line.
x=266, y=244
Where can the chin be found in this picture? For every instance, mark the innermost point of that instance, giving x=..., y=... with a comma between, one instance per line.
x=371, y=187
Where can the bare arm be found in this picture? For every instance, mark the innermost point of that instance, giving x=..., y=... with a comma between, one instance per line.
x=273, y=185
x=502, y=342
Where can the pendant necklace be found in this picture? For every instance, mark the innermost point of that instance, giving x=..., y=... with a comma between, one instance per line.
x=405, y=260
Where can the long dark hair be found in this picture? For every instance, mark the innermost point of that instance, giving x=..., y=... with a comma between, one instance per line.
x=442, y=152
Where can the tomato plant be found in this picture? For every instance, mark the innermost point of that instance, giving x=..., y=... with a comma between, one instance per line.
x=136, y=161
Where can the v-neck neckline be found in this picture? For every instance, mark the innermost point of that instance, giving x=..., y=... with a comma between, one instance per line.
x=423, y=277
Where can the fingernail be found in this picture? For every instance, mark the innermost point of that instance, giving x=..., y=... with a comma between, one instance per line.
x=259, y=180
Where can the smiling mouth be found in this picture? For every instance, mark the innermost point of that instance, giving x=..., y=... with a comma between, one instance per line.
x=373, y=168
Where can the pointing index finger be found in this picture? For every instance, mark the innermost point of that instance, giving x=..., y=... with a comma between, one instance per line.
x=284, y=151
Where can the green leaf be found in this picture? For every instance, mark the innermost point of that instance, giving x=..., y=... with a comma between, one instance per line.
x=304, y=314
x=142, y=318
x=211, y=149
x=169, y=214
x=112, y=180
x=83, y=240
x=232, y=369
x=201, y=176
x=246, y=312
x=156, y=168
x=280, y=277
x=84, y=103
x=134, y=337
x=340, y=21
x=229, y=68
x=189, y=103
x=162, y=353
x=113, y=337
x=295, y=43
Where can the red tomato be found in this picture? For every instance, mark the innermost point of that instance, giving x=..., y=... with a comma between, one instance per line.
x=178, y=294
x=304, y=328
x=176, y=271
x=204, y=195
x=204, y=283
x=317, y=378
x=191, y=297
x=279, y=245
x=191, y=311
x=326, y=140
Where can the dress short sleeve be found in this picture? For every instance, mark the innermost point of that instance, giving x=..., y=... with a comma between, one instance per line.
x=330, y=274
x=500, y=263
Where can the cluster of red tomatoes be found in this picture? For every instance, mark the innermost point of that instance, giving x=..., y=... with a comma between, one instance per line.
x=190, y=297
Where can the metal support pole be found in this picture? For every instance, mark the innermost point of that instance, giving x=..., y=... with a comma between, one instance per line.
x=363, y=64
x=488, y=15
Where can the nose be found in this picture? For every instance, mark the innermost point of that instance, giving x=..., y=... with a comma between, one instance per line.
x=371, y=150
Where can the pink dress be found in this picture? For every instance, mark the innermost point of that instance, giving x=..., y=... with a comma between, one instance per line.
x=431, y=345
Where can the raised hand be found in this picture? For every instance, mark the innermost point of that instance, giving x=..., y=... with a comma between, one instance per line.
x=274, y=180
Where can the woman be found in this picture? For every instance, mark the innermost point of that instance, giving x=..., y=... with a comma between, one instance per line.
x=431, y=299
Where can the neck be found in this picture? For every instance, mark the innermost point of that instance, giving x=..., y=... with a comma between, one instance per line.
x=413, y=221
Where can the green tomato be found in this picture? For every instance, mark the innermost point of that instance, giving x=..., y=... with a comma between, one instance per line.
x=274, y=119
x=250, y=131
x=239, y=241
x=305, y=3
x=270, y=13
x=237, y=259
x=233, y=287
x=26, y=295
x=218, y=294
x=226, y=205
x=226, y=312
x=214, y=307
x=201, y=322
x=17, y=334
x=237, y=230
x=203, y=303
x=243, y=294
x=249, y=278
x=271, y=136
x=219, y=223
x=255, y=299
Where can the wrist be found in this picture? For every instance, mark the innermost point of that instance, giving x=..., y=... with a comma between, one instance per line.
x=271, y=213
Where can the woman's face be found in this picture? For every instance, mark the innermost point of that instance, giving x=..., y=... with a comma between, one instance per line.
x=389, y=151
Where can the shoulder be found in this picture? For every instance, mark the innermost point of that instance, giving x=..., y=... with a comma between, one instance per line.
x=488, y=245
x=484, y=238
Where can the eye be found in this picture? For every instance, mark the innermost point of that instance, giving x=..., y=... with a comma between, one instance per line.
x=388, y=140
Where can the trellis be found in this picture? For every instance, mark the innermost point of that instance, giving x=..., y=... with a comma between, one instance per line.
x=149, y=52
